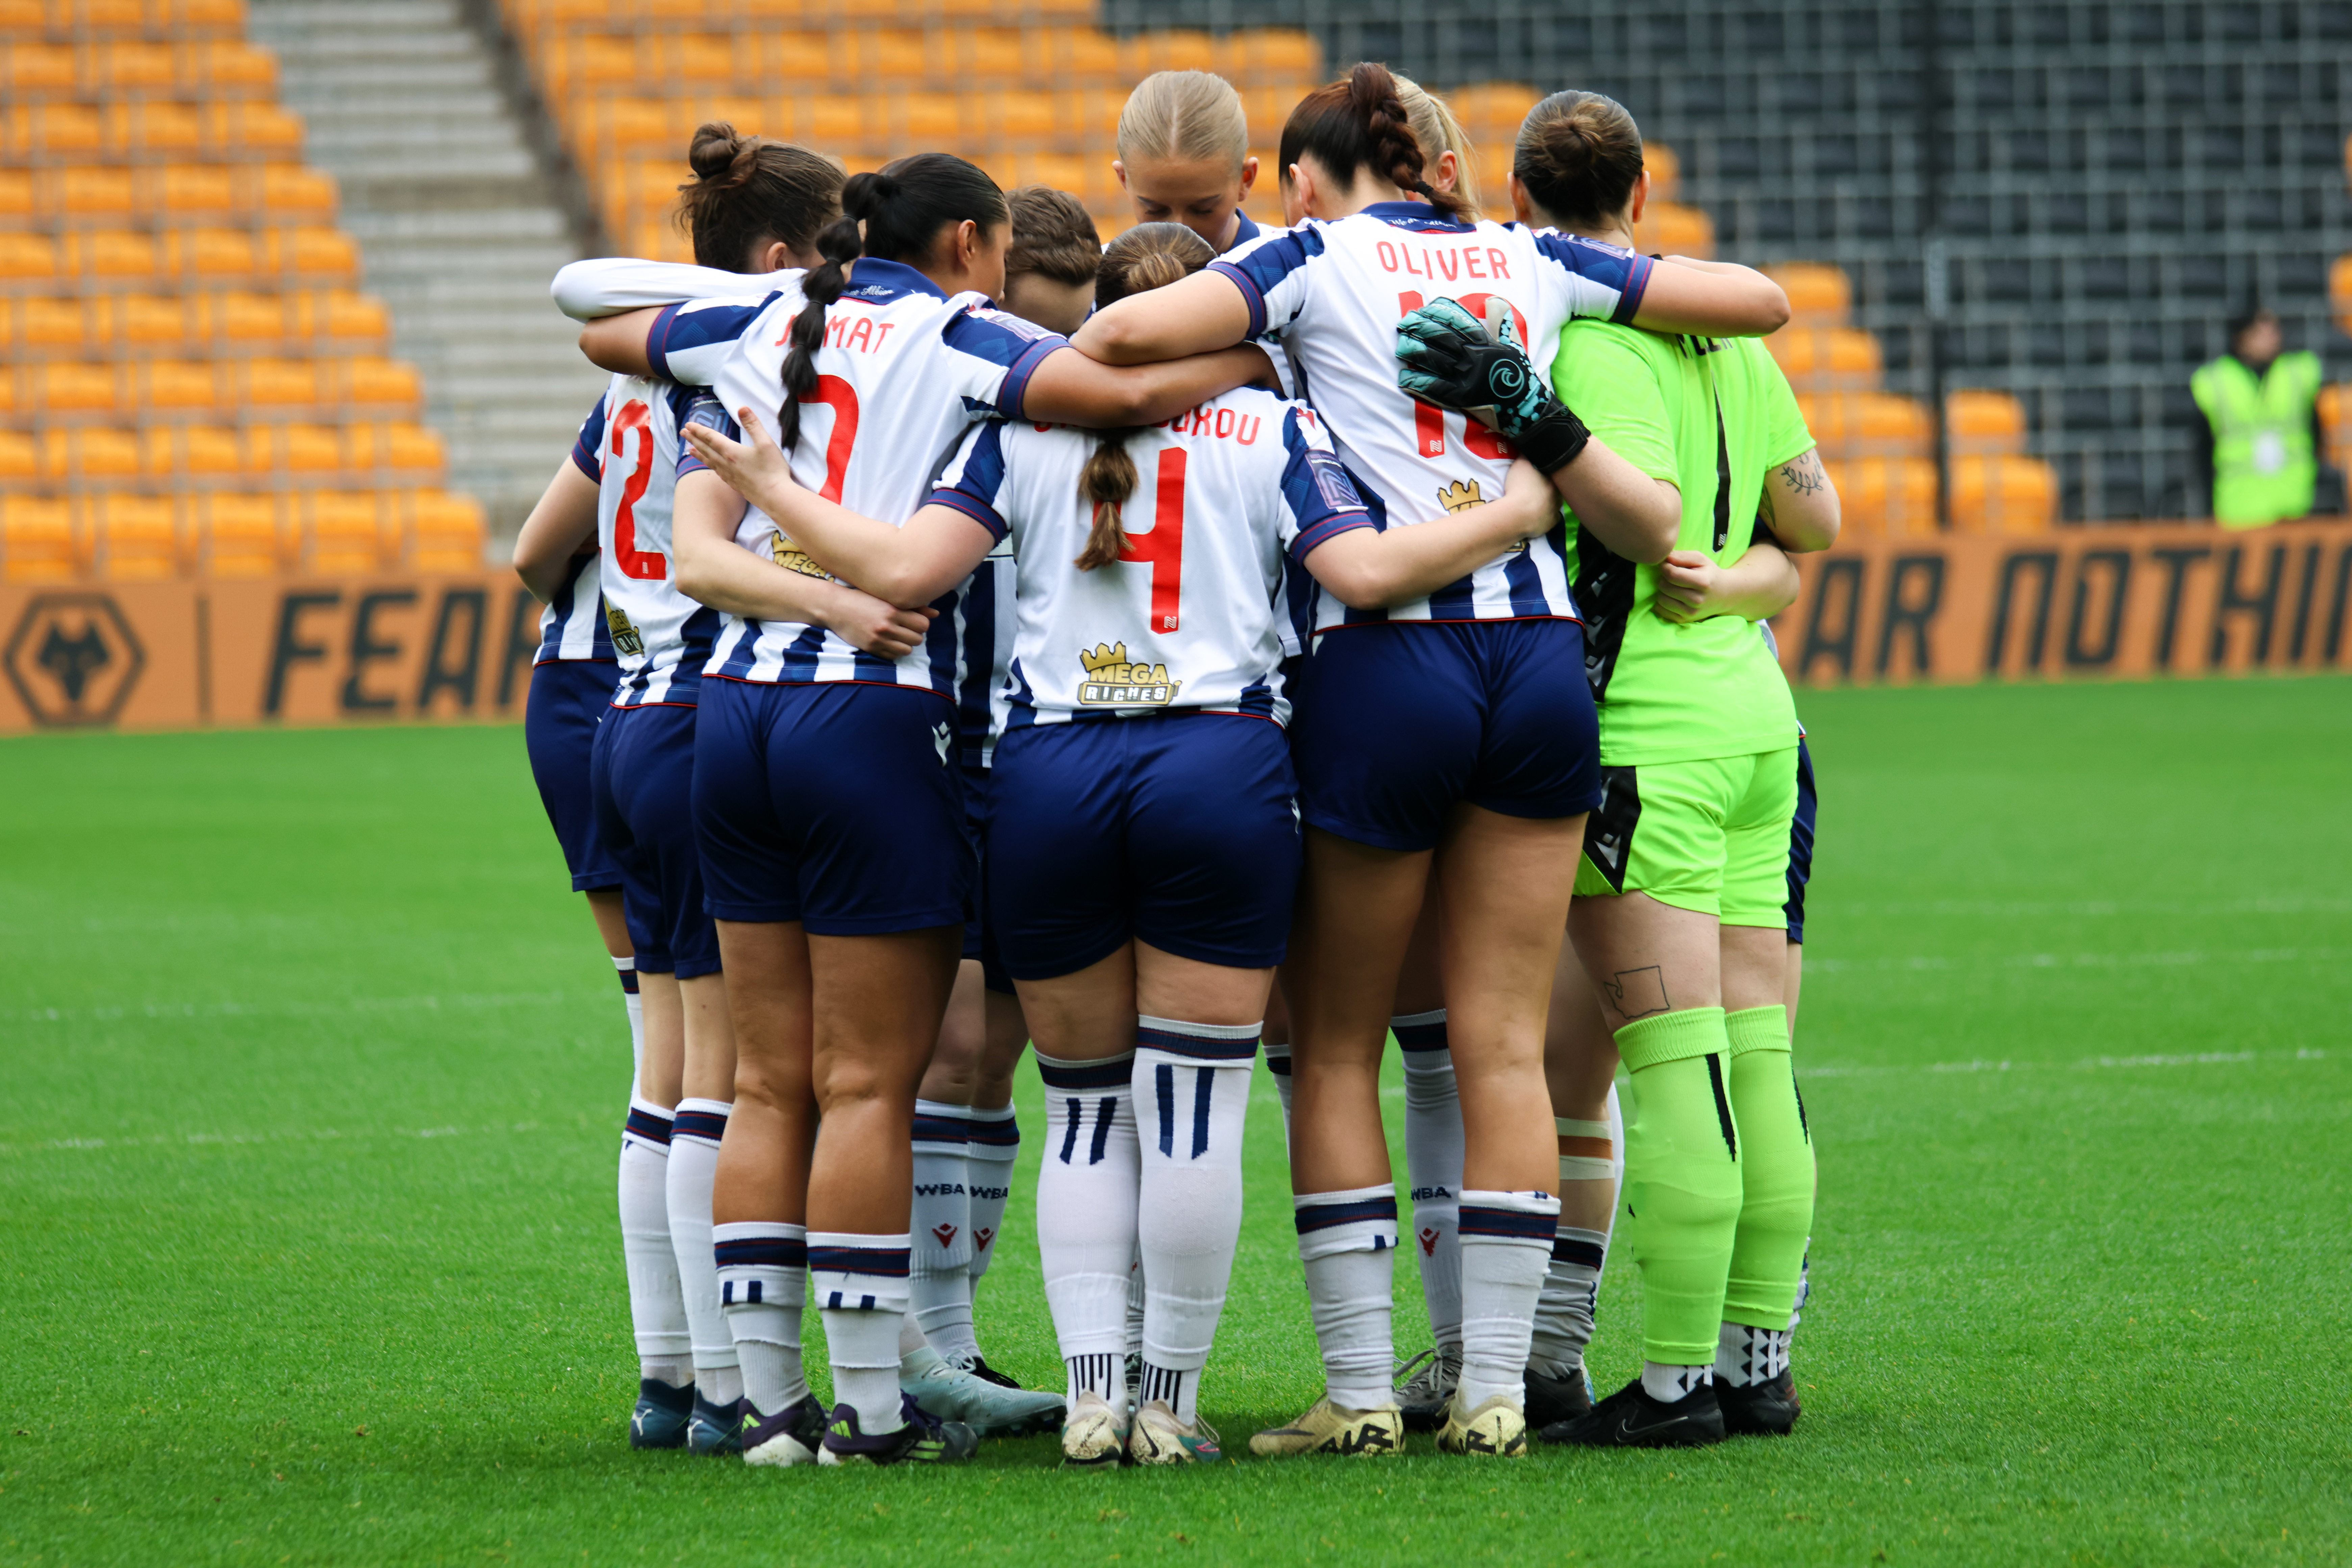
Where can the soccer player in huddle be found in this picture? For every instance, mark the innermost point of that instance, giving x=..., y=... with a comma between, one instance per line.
x=1680, y=921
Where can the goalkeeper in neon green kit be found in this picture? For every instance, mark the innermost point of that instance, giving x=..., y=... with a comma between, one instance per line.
x=1678, y=917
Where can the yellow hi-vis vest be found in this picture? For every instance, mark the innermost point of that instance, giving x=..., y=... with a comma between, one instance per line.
x=2263, y=468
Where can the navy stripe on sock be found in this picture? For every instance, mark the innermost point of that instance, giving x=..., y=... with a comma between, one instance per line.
x=629, y=981
x=1204, y=1084
x=709, y=1124
x=1480, y=1221
x=1164, y=1089
x=995, y=1132
x=1323, y=1216
x=934, y=1129
x=1197, y=1046
x=761, y=1251
x=650, y=1125
x=1278, y=1065
x=1105, y=1111
x=1112, y=1073
x=882, y=1262
x=1420, y=1036
x=1567, y=1249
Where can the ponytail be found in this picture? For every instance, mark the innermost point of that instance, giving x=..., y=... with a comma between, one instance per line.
x=1579, y=155
x=1361, y=122
x=1148, y=256
x=892, y=214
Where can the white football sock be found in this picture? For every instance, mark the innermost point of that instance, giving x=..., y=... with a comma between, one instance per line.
x=693, y=1164
x=988, y=1181
x=763, y=1289
x=1135, y=1300
x=1432, y=1162
x=627, y=969
x=941, y=1282
x=1507, y=1240
x=1745, y=1355
x=1347, y=1243
x=1277, y=1062
x=860, y=1283
x=1667, y=1384
x=1195, y=1080
x=1571, y=1287
x=1804, y=1287
x=1086, y=1195
x=656, y=1306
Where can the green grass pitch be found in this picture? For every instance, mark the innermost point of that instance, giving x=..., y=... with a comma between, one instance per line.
x=314, y=1075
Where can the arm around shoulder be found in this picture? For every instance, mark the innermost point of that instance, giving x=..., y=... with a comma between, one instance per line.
x=1717, y=301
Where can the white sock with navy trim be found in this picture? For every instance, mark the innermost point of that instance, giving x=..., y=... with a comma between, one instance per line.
x=626, y=968
x=989, y=1157
x=762, y=1291
x=860, y=1284
x=1507, y=1241
x=1589, y=1151
x=1087, y=1192
x=1278, y=1064
x=940, y=1283
x=1347, y=1243
x=1188, y=1217
x=656, y=1303
x=1432, y=1162
x=693, y=1166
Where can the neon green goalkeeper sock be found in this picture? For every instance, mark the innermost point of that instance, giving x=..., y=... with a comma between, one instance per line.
x=1775, y=1161
x=1682, y=1179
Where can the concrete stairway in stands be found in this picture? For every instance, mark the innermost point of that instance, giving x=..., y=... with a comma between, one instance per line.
x=458, y=221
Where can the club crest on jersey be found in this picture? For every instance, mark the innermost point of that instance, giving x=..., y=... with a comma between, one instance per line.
x=1112, y=680
x=627, y=641
x=1459, y=497
x=792, y=558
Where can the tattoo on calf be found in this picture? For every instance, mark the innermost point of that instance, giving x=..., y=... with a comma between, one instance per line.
x=1638, y=993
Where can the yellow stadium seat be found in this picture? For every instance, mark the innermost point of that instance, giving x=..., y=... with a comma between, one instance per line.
x=38, y=543
x=1819, y=358
x=2339, y=290
x=268, y=382
x=44, y=327
x=80, y=455
x=341, y=531
x=444, y=532
x=179, y=386
x=1252, y=54
x=191, y=452
x=106, y=256
x=70, y=387
x=1174, y=50
x=29, y=68
x=364, y=380
x=1665, y=170
x=240, y=536
x=136, y=537
x=25, y=258
x=2002, y=493
x=343, y=315
x=1867, y=424
x=1982, y=422
x=1818, y=295
x=148, y=320
x=1885, y=496
x=1491, y=111
x=52, y=132
x=1669, y=228
x=20, y=459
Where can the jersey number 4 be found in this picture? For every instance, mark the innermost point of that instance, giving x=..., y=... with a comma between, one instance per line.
x=647, y=566
x=1163, y=547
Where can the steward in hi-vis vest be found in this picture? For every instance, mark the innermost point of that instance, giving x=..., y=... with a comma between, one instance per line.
x=2259, y=408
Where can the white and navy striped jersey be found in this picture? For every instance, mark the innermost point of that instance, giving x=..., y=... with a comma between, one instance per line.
x=989, y=621
x=571, y=625
x=660, y=637
x=1189, y=616
x=1332, y=294
x=904, y=372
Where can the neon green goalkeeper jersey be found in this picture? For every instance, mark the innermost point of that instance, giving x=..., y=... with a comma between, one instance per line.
x=1710, y=416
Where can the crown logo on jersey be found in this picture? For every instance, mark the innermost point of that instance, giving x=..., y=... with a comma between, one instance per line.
x=1114, y=680
x=1459, y=497
x=792, y=558
x=627, y=641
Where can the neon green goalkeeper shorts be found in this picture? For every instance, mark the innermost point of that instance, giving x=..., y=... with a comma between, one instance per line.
x=1710, y=835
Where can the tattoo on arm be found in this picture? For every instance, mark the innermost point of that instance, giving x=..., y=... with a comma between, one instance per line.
x=1638, y=993
x=1804, y=474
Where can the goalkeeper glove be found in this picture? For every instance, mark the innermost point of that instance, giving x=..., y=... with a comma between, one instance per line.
x=1448, y=357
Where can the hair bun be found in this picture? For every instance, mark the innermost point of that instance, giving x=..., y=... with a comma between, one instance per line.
x=866, y=194
x=714, y=150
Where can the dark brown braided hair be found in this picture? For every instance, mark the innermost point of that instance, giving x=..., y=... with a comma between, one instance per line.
x=1360, y=122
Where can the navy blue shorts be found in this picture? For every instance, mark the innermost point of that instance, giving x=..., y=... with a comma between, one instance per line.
x=641, y=775
x=1801, y=844
x=1396, y=723
x=568, y=696
x=977, y=941
x=1177, y=830
x=831, y=802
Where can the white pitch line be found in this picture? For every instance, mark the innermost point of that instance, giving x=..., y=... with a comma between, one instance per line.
x=430, y=1004
x=2187, y=958
x=2084, y=1064
x=312, y=1135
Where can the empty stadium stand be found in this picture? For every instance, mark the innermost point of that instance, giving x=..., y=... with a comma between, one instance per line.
x=190, y=380
x=2101, y=183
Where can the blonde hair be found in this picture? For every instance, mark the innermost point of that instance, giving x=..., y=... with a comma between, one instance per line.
x=1435, y=127
x=1187, y=116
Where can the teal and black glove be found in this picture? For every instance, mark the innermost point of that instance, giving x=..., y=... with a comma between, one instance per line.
x=1448, y=357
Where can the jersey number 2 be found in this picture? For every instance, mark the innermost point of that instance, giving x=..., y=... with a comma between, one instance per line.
x=1163, y=547
x=646, y=565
